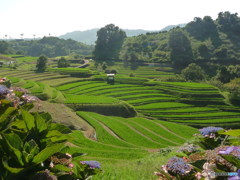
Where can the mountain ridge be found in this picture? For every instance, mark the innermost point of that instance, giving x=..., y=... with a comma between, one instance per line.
x=90, y=36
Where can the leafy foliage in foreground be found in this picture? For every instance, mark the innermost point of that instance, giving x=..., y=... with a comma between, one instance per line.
x=31, y=145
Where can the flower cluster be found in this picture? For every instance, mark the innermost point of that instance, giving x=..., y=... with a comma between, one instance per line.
x=29, y=99
x=3, y=91
x=209, y=131
x=178, y=166
x=188, y=148
x=92, y=164
x=15, y=99
x=233, y=150
x=208, y=171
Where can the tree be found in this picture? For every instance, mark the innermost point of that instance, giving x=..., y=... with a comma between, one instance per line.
x=41, y=64
x=203, y=52
x=180, y=48
x=4, y=47
x=109, y=42
x=223, y=75
x=193, y=73
x=62, y=63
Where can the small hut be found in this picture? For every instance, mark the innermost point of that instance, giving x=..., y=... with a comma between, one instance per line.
x=110, y=78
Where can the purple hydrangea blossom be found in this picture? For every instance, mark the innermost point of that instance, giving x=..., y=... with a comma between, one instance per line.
x=92, y=164
x=178, y=166
x=4, y=90
x=209, y=131
x=234, y=150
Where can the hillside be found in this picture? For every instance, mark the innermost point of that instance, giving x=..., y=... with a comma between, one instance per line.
x=203, y=41
x=90, y=36
x=135, y=123
x=49, y=46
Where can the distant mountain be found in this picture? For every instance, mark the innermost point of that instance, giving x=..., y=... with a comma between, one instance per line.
x=90, y=36
x=167, y=28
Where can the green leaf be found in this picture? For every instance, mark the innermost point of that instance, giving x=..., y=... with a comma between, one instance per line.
x=61, y=128
x=53, y=133
x=6, y=118
x=28, y=119
x=11, y=169
x=30, y=150
x=14, y=140
x=40, y=123
x=19, y=124
x=232, y=159
x=14, y=144
x=47, y=152
x=61, y=167
x=27, y=107
x=235, y=133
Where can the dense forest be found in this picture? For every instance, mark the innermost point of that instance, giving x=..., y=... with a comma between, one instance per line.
x=202, y=41
x=49, y=46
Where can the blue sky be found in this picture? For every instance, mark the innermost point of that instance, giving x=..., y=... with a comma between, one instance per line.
x=57, y=17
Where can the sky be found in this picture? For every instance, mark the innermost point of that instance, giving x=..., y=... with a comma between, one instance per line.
x=57, y=17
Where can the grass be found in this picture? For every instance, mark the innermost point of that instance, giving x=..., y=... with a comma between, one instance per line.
x=150, y=100
x=186, y=110
x=126, y=132
x=72, y=85
x=181, y=130
x=82, y=99
x=103, y=134
x=201, y=115
x=162, y=105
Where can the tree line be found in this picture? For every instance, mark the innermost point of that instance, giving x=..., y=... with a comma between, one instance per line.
x=48, y=46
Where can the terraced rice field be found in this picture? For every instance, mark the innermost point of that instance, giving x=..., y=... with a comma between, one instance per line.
x=128, y=138
x=182, y=102
x=160, y=105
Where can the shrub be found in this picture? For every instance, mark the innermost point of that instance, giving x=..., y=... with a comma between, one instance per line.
x=31, y=146
x=193, y=72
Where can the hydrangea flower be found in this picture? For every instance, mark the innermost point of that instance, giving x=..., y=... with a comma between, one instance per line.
x=209, y=131
x=92, y=164
x=178, y=166
x=4, y=90
x=234, y=150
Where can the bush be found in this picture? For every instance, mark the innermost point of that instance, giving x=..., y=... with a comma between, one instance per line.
x=193, y=73
x=32, y=147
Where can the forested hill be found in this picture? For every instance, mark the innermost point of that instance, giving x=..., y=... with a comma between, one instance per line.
x=202, y=41
x=90, y=36
x=49, y=46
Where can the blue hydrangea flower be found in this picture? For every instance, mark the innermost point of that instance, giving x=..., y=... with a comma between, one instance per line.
x=4, y=90
x=92, y=164
x=207, y=131
x=178, y=166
